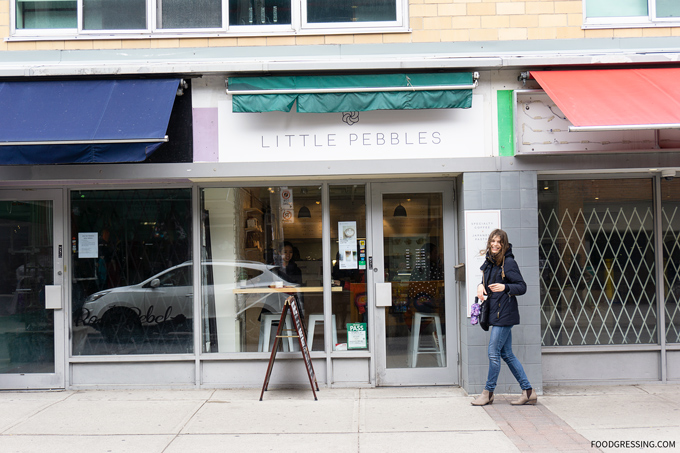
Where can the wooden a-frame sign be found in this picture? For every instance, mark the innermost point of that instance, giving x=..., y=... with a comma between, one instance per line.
x=291, y=304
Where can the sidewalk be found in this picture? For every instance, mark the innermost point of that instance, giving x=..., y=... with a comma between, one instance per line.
x=405, y=419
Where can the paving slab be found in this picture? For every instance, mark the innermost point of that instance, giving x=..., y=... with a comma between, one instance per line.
x=275, y=416
x=18, y=407
x=142, y=395
x=576, y=390
x=423, y=414
x=260, y=443
x=413, y=392
x=84, y=444
x=447, y=441
x=535, y=427
x=614, y=410
x=108, y=417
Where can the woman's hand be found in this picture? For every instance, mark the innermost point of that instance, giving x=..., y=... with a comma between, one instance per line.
x=497, y=287
x=481, y=292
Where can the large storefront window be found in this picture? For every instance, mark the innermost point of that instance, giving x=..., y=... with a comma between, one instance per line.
x=597, y=271
x=259, y=246
x=670, y=227
x=132, y=286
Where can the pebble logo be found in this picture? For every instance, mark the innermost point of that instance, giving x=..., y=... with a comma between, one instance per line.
x=350, y=117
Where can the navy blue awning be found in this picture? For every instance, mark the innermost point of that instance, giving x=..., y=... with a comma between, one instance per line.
x=83, y=121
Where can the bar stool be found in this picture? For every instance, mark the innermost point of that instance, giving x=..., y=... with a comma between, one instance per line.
x=311, y=322
x=414, y=347
x=267, y=322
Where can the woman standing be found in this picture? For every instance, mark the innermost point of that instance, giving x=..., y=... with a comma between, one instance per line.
x=501, y=282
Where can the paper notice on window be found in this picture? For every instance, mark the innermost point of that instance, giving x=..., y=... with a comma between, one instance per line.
x=347, y=245
x=357, y=335
x=88, y=245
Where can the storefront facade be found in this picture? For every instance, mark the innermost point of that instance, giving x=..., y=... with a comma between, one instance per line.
x=369, y=219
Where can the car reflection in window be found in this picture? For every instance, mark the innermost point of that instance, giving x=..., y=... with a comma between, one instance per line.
x=123, y=314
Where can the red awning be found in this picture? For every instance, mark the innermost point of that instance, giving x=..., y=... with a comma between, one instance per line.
x=615, y=99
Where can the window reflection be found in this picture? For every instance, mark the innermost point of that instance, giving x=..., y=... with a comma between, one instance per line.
x=319, y=11
x=259, y=12
x=261, y=250
x=130, y=261
x=189, y=14
x=46, y=14
x=118, y=15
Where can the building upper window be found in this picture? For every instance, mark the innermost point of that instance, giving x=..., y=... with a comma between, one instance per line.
x=631, y=13
x=45, y=18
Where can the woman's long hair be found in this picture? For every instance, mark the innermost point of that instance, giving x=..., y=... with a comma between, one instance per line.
x=499, y=259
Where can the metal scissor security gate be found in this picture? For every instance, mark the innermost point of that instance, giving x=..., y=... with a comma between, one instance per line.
x=597, y=276
x=671, y=271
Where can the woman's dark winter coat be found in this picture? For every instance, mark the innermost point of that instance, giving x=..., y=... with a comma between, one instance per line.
x=503, y=309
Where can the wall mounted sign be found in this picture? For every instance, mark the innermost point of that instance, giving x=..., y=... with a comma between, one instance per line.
x=379, y=134
x=478, y=226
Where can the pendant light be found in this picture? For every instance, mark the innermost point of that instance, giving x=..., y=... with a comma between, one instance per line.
x=304, y=212
x=400, y=211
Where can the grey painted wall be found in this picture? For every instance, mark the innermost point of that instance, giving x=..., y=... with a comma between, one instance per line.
x=515, y=194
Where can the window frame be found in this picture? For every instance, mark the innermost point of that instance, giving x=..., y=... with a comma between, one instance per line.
x=298, y=26
x=650, y=20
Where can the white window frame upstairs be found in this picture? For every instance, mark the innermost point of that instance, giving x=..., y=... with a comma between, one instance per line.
x=650, y=20
x=298, y=26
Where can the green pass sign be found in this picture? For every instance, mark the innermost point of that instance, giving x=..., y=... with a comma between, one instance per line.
x=357, y=335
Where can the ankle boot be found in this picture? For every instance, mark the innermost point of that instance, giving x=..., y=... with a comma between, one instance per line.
x=482, y=400
x=528, y=397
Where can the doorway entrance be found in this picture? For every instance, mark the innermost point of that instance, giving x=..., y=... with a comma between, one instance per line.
x=414, y=235
x=31, y=300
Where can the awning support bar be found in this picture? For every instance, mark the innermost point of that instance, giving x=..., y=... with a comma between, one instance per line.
x=355, y=90
x=623, y=127
x=87, y=142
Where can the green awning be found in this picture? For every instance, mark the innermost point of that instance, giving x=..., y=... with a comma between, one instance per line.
x=352, y=93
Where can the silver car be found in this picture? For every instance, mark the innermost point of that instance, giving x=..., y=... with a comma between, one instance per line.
x=166, y=299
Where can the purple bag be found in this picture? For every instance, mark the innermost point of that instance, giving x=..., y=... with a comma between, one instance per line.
x=474, y=312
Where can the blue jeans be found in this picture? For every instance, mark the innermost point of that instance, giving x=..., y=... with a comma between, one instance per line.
x=500, y=347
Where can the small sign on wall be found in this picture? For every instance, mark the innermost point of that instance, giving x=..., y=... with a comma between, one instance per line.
x=478, y=226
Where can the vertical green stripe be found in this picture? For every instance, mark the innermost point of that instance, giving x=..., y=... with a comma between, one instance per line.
x=506, y=127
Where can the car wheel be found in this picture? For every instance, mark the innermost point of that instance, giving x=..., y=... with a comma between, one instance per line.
x=120, y=325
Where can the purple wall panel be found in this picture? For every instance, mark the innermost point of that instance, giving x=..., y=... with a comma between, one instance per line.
x=206, y=135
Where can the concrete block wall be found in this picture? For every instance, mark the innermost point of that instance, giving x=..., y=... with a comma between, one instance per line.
x=429, y=21
x=515, y=194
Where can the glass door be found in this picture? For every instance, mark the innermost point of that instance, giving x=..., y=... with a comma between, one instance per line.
x=414, y=234
x=31, y=292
